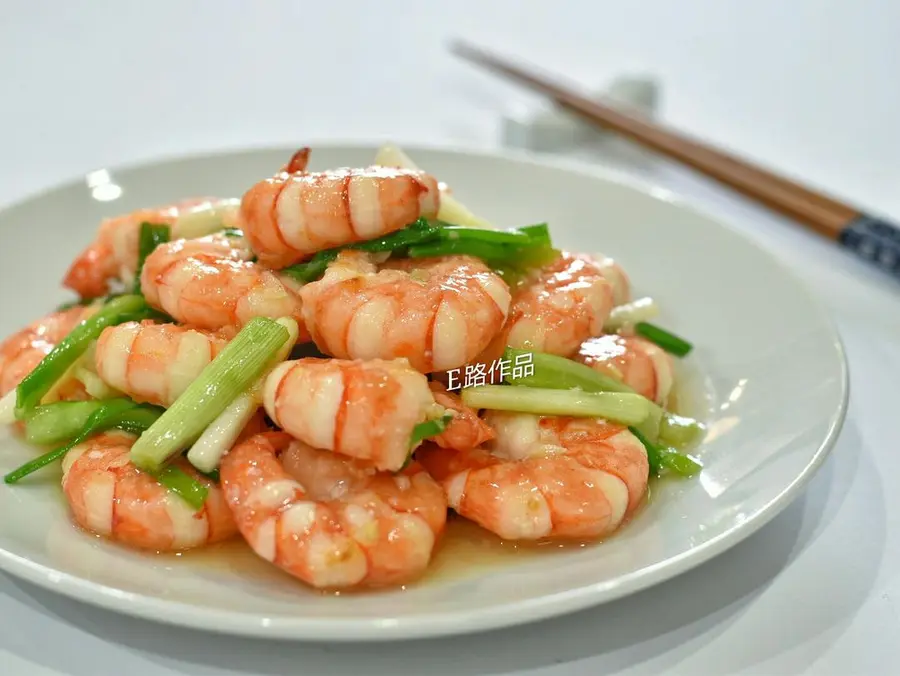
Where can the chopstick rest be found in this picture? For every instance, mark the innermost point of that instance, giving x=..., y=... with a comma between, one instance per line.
x=551, y=129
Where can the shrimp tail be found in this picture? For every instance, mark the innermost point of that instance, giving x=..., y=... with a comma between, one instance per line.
x=298, y=162
x=466, y=430
x=90, y=272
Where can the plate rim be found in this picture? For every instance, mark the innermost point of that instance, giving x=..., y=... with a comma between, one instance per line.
x=447, y=623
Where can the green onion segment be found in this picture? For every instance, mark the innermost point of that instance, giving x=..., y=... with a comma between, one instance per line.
x=660, y=458
x=222, y=433
x=511, y=251
x=234, y=370
x=559, y=373
x=151, y=236
x=664, y=339
x=429, y=428
x=37, y=383
x=394, y=242
x=183, y=485
x=54, y=423
x=619, y=407
x=57, y=422
x=425, y=430
x=117, y=413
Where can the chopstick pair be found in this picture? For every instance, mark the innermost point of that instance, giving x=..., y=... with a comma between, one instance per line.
x=869, y=237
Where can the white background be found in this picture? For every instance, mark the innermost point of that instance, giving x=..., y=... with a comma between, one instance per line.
x=810, y=87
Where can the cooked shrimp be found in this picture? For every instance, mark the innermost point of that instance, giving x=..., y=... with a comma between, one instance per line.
x=437, y=313
x=155, y=363
x=114, y=252
x=362, y=409
x=329, y=521
x=293, y=215
x=632, y=360
x=565, y=304
x=23, y=351
x=208, y=283
x=615, y=275
x=466, y=430
x=109, y=496
x=545, y=477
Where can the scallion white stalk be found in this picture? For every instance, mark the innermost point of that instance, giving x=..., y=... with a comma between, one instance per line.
x=220, y=436
x=206, y=219
x=450, y=210
x=640, y=310
x=8, y=408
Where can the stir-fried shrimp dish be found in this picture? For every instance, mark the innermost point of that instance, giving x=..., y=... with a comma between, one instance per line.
x=335, y=367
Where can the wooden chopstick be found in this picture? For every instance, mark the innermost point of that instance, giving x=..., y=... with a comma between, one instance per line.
x=874, y=239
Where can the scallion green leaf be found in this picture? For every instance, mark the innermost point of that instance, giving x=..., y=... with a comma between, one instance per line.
x=214, y=475
x=397, y=241
x=451, y=233
x=680, y=463
x=151, y=236
x=54, y=423
x=661, y=458
x=429, y=428
x=652, y=451
x=512, y=251
x=539, y=233
x=679, y=431
x=183, y=485
x=425, y=430
x=120, y=413
x=57, y=422
x=664, y=339
x=37, y=383
x=489, y=252
x=102, y=419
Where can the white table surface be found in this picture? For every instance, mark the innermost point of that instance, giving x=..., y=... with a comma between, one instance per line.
x=88, y=85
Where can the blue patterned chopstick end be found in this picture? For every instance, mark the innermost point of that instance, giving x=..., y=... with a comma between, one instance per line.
x=875, y=240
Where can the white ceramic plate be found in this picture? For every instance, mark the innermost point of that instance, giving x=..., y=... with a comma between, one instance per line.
x=768, y=375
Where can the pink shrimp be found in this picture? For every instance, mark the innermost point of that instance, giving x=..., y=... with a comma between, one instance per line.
x=567, y=303
x=615, y=275
x=632, y=360
x=293, y=215
x=332, y=522
x=208, y=283
x=362, y=409
x=114, y=251
x=155, y=363
x=109, y=496
x=437, y=313
x=466, y=430
x=545, y=477
x=23, y=351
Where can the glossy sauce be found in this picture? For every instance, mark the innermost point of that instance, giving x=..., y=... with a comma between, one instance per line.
x=465, y=549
